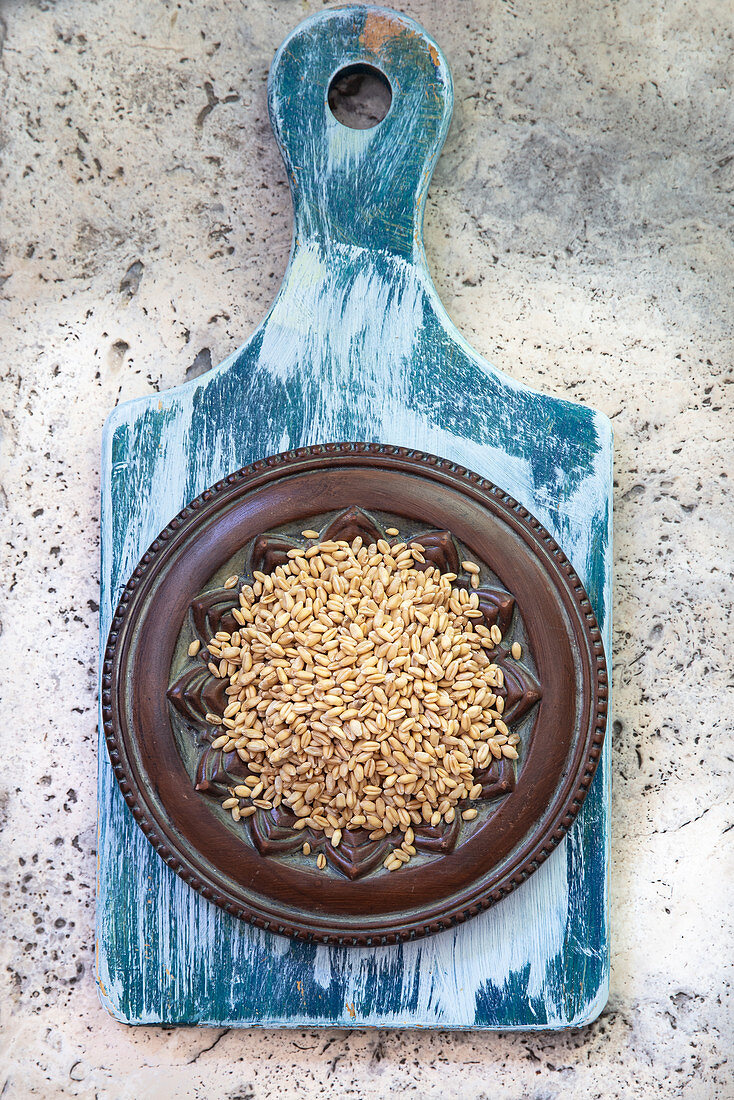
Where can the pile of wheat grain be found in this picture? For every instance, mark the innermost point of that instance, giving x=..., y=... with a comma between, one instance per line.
x=361, y=694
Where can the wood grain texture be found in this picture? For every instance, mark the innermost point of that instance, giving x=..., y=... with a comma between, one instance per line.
x=356, y=346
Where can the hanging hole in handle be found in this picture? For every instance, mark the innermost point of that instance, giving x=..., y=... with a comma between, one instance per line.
x=359, y=96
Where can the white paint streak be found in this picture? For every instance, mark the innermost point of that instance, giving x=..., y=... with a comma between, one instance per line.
x=345, y=146
x=526, y=930
x=370, y=327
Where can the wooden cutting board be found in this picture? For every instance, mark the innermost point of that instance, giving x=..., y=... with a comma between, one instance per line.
x=357, y=346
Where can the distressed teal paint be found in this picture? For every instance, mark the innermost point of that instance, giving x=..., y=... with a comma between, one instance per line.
x=356, y=346
x=332, y=168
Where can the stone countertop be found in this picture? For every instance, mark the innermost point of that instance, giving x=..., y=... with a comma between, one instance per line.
x=576, y=233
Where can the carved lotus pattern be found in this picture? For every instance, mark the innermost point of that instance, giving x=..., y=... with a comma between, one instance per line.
x=196, y=693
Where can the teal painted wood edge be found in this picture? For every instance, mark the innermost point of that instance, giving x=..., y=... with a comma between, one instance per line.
x=356, y=346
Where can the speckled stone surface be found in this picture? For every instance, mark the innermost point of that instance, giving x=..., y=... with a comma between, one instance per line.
x=577, y=233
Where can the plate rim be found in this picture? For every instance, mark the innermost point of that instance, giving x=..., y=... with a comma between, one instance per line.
x=594, y=720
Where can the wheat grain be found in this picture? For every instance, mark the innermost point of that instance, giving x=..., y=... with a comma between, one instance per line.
x=361, y=693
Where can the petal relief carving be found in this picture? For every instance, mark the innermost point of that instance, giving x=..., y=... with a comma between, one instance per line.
x=350, y=524
x=212, y=611
x=498, y=779
x=197, y=693
x=357, y=855
x=213, y=697
x=270, y=551
x=497, y=606
x=438, y=838
x=185, y=694
x=217, y=771
x=522, y=690
x=439, y=551
x=274, y=833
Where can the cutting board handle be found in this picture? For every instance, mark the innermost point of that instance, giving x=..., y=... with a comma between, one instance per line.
x=364, y=188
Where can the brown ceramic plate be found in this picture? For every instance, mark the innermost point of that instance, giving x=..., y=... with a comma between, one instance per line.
x=155, y=696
